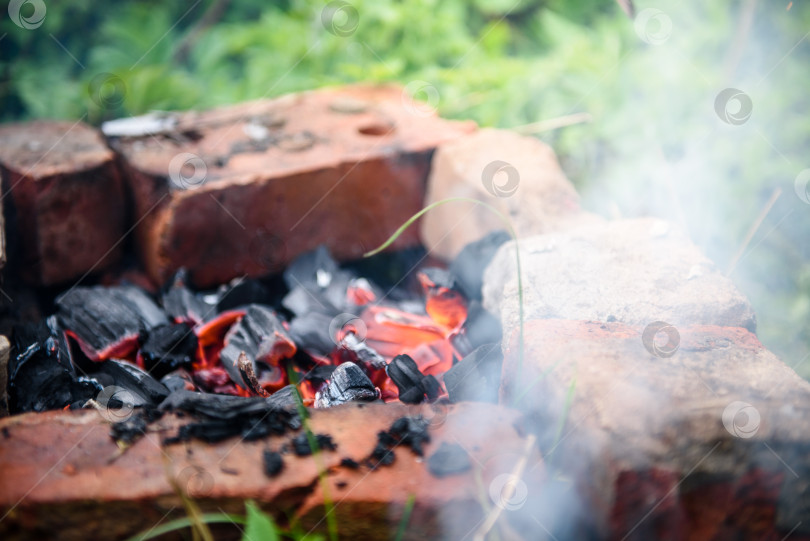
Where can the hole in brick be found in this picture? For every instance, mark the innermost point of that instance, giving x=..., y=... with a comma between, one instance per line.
x=377, y=129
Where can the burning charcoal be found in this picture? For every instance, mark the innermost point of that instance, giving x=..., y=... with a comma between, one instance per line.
x=316, y=284
x=311, y=332
x=183, y=305
x=320, y=374
x=444, y=303
x=302, y=447
x=411, y=431
x=414, y=387
x=108, y=321
x=481, y=326
x=311, y=270
x=263, y=338
x=167, y=348
x=40, y=374
x=301, y=301
x=472, y=260
x=348, y=383
x=477, y=376
x=273, y=463
x=355, y=350
x=128, y=376
x=449, y=459
x=221, y=417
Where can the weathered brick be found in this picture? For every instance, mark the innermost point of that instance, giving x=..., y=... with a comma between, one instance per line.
x=63, y=197
x=651, y=441
x=634, y=271
x=274, y=178
x=60, y=472
x=518, y=175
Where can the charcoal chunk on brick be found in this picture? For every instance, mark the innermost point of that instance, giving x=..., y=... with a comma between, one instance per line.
x=273, y=463
x=449, y=459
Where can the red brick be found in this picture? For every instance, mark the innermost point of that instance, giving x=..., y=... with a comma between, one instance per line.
x=344, y=167
x=644, y=437
x=59, y=471
x=64, y=199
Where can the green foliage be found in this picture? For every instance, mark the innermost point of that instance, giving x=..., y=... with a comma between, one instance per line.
x=259, y=526
x=654, y=146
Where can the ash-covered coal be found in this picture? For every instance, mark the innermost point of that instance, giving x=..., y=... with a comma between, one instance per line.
x=414, y=387
x=449, y=459
x=347, y=383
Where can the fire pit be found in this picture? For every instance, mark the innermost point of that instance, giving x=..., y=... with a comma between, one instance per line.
x=519, y=369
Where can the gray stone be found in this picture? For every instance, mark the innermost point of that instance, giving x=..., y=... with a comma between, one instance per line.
x=632, y=271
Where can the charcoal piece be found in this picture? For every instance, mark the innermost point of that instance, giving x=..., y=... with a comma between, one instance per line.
x=412, y=432
x=348, y=383
x=182, y=304
x=219, y=417
x=302, y=301
x=347, y=462
x=242, y=292
x=320, y=374
x=414, y=387
x=131, y=378
x=477, y=376
x=382, y=455
x=273, y=463
x=129, y=430
x=312, y=270
x=449, y=459
x=471, y=262
x=302, y=446
x=167, y=348
x=40, y=374
x=178, y=380
x=108, y=321
x=353, y=349
x=311, y=332
x=262, y=337
x=482, y=327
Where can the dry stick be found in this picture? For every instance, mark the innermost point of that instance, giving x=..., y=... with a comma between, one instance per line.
x=553, y=123
x=517, y=473
x=754, y=228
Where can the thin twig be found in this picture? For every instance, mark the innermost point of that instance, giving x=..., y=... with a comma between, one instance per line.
x=553, y=123
x=517, y=473
x=777, y=192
